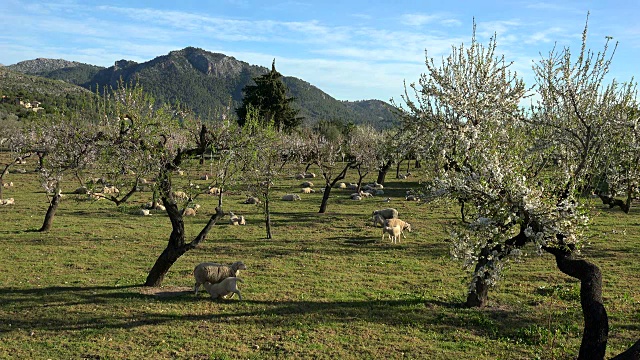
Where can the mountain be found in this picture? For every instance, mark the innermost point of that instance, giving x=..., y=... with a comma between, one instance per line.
x=207, y=82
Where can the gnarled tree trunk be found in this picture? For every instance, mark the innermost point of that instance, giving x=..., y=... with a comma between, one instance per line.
x=596, y=323
x=177, y=245
x=382, y=173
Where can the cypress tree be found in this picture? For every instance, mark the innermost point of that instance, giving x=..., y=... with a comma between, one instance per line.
x=269, y=97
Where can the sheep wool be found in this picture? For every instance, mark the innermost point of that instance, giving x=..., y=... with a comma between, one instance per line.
x=214, y=273
x=228, y=286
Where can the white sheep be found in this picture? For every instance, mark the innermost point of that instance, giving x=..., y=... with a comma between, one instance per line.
x=291, y=197
x=228, y=286
x=9, y=201
x=307, y=190
x=189, y=212
x=252, y=200
x=403, y=225
x=393, y=232
x=214, y=191
x=342, y=185
x=8, y=185
x=388, y=213
x=110, y=190
x=214, y=273
x=144, y=212
x=236, y=220
x=356, y=197
x=180, y=195
x=309, y=175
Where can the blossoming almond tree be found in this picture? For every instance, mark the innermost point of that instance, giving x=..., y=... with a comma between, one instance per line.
x=487, y=157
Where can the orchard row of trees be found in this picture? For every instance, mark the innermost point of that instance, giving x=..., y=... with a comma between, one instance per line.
x=522, y=176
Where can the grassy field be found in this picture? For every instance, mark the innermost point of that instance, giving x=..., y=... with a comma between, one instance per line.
x=326, y=287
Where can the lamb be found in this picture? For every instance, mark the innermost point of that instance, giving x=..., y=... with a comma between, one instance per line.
x=393, y=232
x=214, y=273
x=291, y=197
x=388, y=213
x=252, y=200
x=224, y=288
x=307, y=190
x=400, y=223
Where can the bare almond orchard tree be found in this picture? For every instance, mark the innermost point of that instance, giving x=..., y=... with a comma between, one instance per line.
x=488, y=157
x=18, y=138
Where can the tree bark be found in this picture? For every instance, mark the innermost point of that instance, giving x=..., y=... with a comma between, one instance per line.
x=330, y=185
x=177, y=246
x=267, y=216
x=480, y=295
x=633, y=353
x=382, y=173
x=51, y=212
x=596, y=323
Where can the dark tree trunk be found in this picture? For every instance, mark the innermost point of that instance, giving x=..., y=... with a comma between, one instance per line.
x=330, y=185
x=51, y=212
x=306, y=169
x=480, y=295
x=596, y=323
x=633, y=353
x=267, y=216
x=177, y=245
x=361, y=177
x=382, y=173
x=613, y=202
x=398, y=169
x=418, y=165
x=325, y=199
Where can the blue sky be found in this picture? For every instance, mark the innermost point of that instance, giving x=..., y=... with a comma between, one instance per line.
x=353, y=50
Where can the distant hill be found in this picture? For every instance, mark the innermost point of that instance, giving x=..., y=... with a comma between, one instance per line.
x=206, y=82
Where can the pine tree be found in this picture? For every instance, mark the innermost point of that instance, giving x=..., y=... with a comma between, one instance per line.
x=269, y=96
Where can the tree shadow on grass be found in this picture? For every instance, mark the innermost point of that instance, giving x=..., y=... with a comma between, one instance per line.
x=72, y=309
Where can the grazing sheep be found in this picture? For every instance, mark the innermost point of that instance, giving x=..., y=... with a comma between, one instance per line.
x=342, y=185
x=81, y=190
x=307, y=190
x=191, y=211
x=214, y=273
x=299, y=176
x=356, y=197
x=144, y=212
x=403, y=225
x=180, y=195
x=387, y=200
x=378, y=219
x=412, y=198
x=306, y=184
x=393, y=232
x=204, y=177
x=252, y=200
x=9, y=201
x=291, y=197
x=228, y=286
x=214, y=191
x=365, y=194
x=110, y=190
x=379, y=192
x=95, y=196
x=8, y=185
x=309, y=175
x=236, y=220
x=388, y=213
x=352, y=186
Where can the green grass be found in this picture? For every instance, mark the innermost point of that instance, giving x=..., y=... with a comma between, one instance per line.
x=324, y=287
